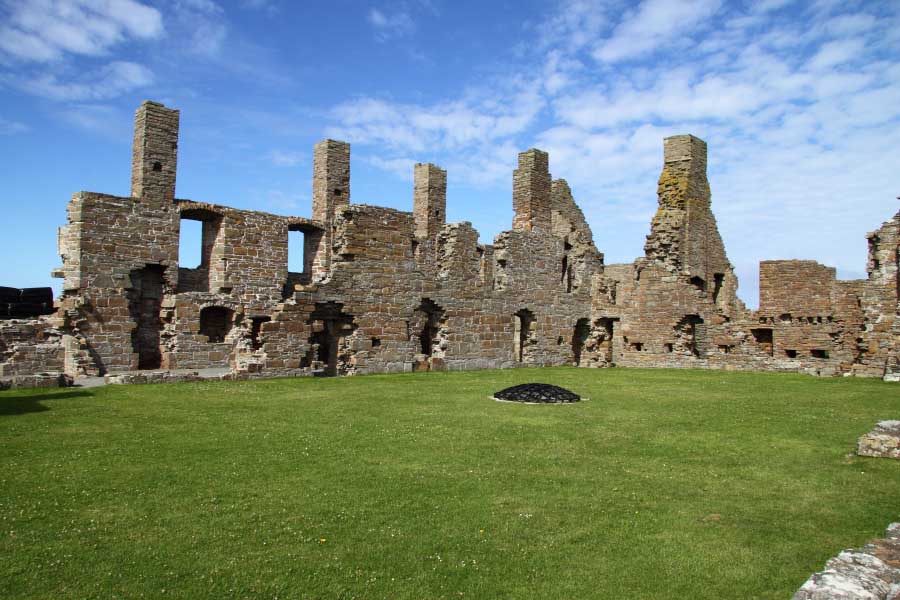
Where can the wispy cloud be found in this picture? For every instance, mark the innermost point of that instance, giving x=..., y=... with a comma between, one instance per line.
x=281, y=158
x=389, y=25
x=801, y=116
x=110, y=81
x=652, y=25
x=8, y=127
x=46, y=30
x=202, y=26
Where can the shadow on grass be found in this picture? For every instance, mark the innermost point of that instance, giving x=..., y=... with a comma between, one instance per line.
x=19, y=405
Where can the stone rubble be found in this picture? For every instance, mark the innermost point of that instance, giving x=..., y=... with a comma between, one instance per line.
x=870, y=573
x=881, y=442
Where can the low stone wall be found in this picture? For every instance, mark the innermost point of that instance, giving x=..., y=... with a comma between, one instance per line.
x=869, y=573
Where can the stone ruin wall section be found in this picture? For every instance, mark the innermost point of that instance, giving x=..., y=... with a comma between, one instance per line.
x=384, y=290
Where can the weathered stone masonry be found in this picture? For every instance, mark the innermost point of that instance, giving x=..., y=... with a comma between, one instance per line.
x=384, y=290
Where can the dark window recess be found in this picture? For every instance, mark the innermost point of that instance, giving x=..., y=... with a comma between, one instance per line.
x=255, y=329
x=215, y=323
x=637, y=346
x=579, y=338
x=698, y=283
x=376, y=342
x=157, y=167
x=790, y=353
x=819, y=353
x=763, y=337
x=669, y=347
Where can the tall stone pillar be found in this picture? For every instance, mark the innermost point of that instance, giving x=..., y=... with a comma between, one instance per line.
x=531, y=191
x=429, y=199
x=154, y=154
x=330, y=194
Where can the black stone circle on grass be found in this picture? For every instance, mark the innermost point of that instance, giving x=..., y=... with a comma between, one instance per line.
x=538, y=393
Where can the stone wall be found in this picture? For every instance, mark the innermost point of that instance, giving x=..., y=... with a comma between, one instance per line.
x=384, y=290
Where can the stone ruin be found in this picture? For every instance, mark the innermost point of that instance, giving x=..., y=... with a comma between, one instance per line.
x=384, y=290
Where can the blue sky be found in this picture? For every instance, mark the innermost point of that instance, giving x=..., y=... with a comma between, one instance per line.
x=799, y=102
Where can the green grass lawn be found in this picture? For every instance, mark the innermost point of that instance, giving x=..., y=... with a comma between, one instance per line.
x=665, y=484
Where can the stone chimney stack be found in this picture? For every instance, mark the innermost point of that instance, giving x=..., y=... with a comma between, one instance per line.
x=684, y=159
x=331, y=179
x=154, y=158
x=429, y=199
x=531, y=191
x=330, y=195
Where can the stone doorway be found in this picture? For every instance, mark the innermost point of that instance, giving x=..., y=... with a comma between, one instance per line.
x=430, y=320
x=330, y=354
x=144, y=304
x=523, y=335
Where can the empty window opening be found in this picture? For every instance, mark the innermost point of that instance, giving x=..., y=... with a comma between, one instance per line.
x=718, y=279
x=790, y=353
x=637, y=346
x=296, y=251
x=724, y=349
x=816, y=353
x=565, y=268
x=376, y=342
x=523, y=334
x=763, y=338
x=157, y=166
x=190, y=251
x=785, y=318
x=202, y=264
x=215, y=323
x=669, y=347
x=303, y=244
x=415, y=248
x=698, y=283
x=579, y=337
x=559, y=341
x=255, y=330
x=144, y=304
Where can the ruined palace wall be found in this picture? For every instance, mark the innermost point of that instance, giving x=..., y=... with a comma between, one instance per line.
x=880, y=343
x=796, y=287
x=106, y=239
x=382, y=275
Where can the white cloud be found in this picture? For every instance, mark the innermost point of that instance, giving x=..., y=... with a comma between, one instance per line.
x=112, y=80
x=8, y=127
x=651, y=25
x=801, y=117
x=46, y=30
x=836, y=53
x=202, y=26
x=389, y=25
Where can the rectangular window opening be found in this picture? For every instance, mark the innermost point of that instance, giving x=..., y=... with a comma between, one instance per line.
x=296, y=252
x=190, y=244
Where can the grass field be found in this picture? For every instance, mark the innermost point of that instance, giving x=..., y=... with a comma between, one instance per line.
x=665, y=484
